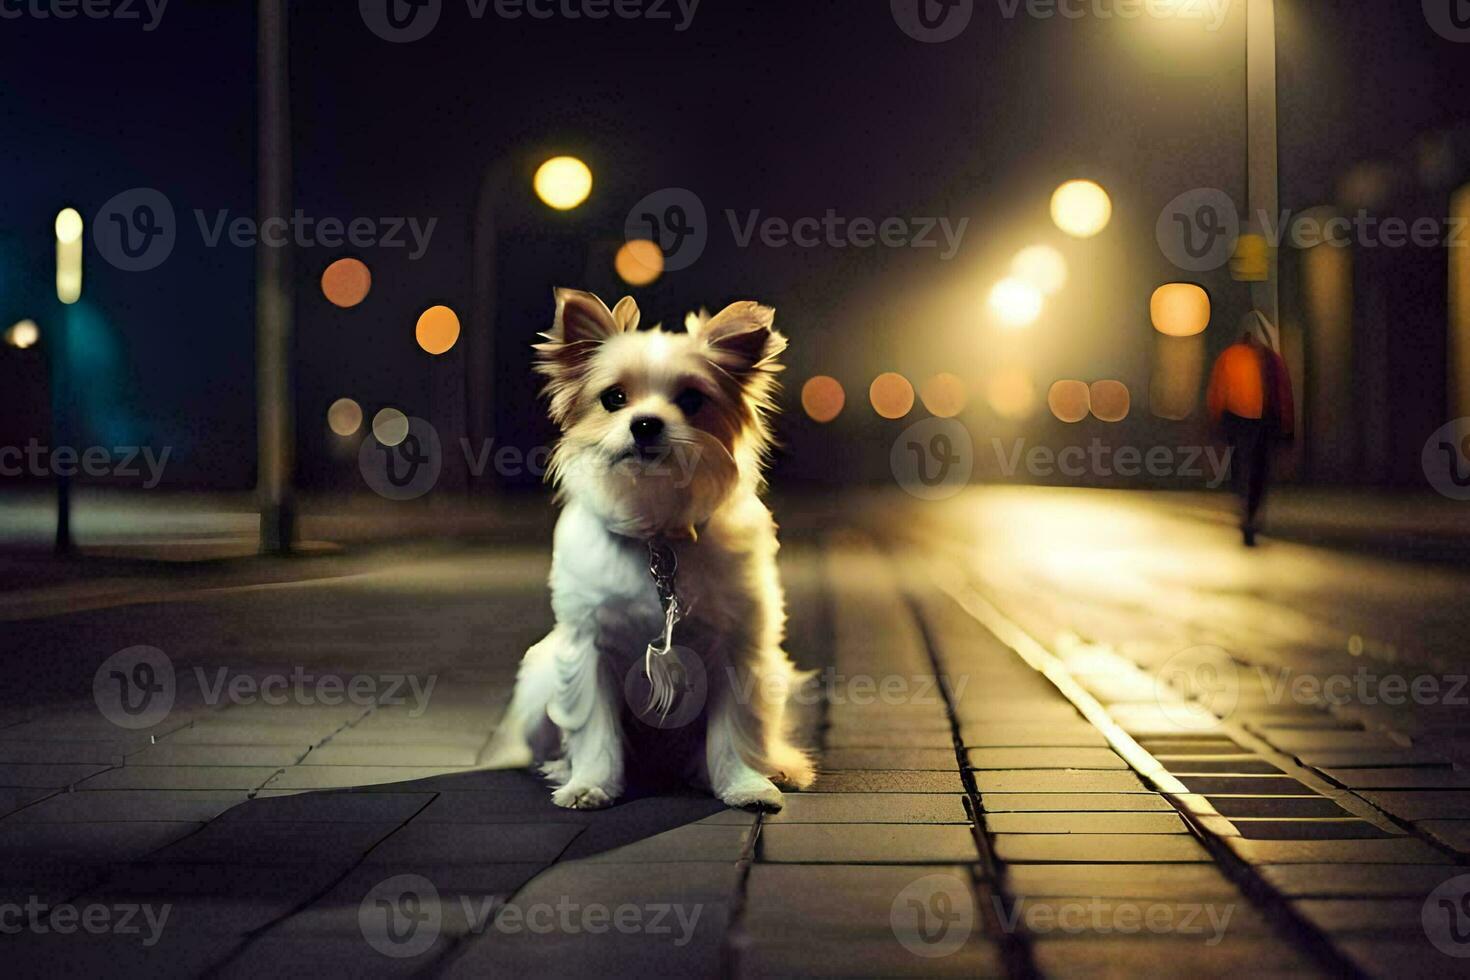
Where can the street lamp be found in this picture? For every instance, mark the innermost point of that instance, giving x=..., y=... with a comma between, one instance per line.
x=562, y=183
x=69, y=227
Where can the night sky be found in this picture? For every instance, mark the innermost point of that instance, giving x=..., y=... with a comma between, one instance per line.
x=790, y=108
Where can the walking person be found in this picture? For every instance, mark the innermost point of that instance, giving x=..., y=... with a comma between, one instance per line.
x=1250, y=402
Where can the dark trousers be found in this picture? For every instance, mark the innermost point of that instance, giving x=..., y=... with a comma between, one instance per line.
x=1250, y=461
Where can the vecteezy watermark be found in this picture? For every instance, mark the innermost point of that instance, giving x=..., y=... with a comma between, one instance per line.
x=137, y=688
x=937, y=21
x=411, y=467
x=1446, y=460
x=1208, y=463
x=124, y=462
x=1198, y=687
x=1449, y=18
x=407, y=469
x=1106, y=916
x=96, y=918
x=675, y=218
x=1446, y=917
x=404, y=915
x=933, y=459
x=136, y=231
x=1198, y=230
x=933, y=916
x=405, y=21
x=147, y=12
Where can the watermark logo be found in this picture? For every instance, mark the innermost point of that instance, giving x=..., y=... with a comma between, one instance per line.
x=122, y=462
x=135, y=231
x=933, y=21
x=406, y=470
x=1197, y=231
x=401, y=21
x=1449, y=18
x=135, y=688
x=933, y=459
x=401, y=916
x=1198, y=677
x=149, y=12
x=1097, y=916
x=933, y=916
x=684, y=671
x=1446, y=917
x=1446, y=460
x=675, y=218
x=1097, y=459
x=120, y=919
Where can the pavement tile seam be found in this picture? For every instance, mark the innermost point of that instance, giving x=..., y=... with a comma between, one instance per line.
x=1226, y=860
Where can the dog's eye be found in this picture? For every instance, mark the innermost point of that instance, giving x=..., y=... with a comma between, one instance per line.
x=690, y=400
x=614, y=398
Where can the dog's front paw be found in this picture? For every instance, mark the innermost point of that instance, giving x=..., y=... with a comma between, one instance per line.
x=759, y=793
x=582, y=797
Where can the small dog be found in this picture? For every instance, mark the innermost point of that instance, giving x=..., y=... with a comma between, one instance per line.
x=663, y=545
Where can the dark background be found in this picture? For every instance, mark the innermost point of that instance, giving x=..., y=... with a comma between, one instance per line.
x=791, y=108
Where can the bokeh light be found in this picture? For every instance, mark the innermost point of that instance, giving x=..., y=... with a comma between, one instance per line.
x=437, y=330
x=1010, y=394
x=563, y=183
x=1041, y=266
x=23, y=334
x=390, y=426
x=639, y=262
x=1015, y=303
x=346, y=282
x=1110, y=400
x=68, y=225
x=1081, y=208
x=891, y=395
x=1070, y=401
x=822, y=398
x=344, y=417
x=944, y=395
x=68, y=256
x=1180, y=309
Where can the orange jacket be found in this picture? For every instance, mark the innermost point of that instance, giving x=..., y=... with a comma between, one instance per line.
x=1252, y=382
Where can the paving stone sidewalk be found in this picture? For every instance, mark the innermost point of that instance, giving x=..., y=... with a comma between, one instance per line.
x=969, y=820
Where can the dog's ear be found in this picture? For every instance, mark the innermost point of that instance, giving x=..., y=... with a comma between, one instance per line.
x=582, y=322
x=626, y=314
x=742, y=339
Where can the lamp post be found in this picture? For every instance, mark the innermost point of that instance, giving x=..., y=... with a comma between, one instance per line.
x=69, y=227
x=275, y=394
x=562, y=183
x=1263, y=189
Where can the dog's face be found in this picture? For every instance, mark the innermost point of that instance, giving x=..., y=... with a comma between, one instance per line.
x=658, y=429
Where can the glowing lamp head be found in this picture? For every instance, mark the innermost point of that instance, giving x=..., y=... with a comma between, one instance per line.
x=563, y=183
x=1081, y=208
x=1016, y=304
x=23, y=334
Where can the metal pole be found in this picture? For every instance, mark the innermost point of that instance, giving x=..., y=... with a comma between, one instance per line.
x=1261, y=147
x=480, y=338
x=275, y=391
x=56, y=357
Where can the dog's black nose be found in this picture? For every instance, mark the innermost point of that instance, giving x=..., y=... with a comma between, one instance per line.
x=647, y=429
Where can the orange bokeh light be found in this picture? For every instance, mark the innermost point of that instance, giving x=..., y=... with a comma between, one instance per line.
x=1070, y=401
x=1111, y=400
x=437, y=330
x=944, y=395
x=346, y=282
x=1180, y=309
x=891, y=395
x=822, y=398
x=639, y=262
